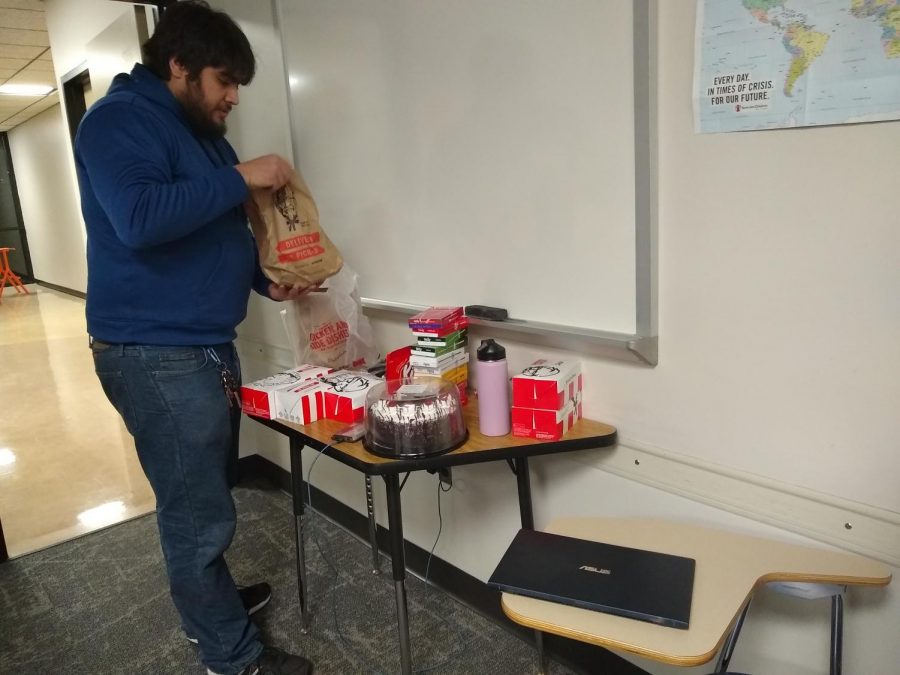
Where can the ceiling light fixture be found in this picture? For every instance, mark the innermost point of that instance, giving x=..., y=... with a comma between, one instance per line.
x=26, y=89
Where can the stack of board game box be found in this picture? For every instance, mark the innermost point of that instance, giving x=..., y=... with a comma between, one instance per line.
x=441, y=347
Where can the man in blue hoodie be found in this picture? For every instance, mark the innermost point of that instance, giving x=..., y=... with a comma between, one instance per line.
x=171, y=263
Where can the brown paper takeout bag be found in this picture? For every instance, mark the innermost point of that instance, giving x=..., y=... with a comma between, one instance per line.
x=293, y=248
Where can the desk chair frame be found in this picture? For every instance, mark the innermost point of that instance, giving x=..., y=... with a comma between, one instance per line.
x=837, y=637
x=7, y=275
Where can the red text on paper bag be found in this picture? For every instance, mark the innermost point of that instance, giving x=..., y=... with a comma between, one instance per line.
x=344, y=394
x=300, y=247
x=328, y=335
x=545, y=425
x=301, y=404
x=258, y=398
x=547, y=384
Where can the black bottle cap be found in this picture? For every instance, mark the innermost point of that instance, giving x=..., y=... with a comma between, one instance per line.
x=490, y=351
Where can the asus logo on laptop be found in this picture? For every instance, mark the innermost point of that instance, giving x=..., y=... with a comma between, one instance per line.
x=602, y=570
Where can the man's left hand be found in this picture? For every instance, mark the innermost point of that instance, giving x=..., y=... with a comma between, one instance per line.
x=282, y=292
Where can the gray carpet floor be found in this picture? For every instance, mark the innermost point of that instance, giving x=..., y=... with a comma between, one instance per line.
x=100, y=604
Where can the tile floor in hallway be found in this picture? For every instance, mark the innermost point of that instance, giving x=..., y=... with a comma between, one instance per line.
x=67, y=463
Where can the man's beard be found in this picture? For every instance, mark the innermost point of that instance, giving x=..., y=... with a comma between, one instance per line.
x=198, y=116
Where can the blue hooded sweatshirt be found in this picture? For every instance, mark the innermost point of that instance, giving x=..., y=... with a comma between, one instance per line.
x=171, y=260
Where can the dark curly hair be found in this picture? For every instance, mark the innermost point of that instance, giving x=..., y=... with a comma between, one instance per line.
x=198, y=36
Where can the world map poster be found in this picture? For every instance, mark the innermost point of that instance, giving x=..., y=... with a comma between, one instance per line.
x=766, y=64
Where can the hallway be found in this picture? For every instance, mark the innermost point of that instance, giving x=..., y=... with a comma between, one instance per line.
x=67, y=463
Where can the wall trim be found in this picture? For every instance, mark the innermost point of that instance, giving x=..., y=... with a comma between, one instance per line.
x=861, y=528
x=61, y=289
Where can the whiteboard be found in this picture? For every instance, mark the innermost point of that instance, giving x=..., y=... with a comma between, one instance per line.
x=470, y=152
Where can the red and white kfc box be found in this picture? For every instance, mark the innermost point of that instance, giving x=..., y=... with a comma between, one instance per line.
x=547, y=385
x=258, y=398
x=344, y=394
x=300, y=404
x=545, y=425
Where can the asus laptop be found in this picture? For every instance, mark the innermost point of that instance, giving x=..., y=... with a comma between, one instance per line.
x=630, y=582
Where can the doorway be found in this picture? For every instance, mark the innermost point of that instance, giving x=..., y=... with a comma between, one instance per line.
x=12, y=227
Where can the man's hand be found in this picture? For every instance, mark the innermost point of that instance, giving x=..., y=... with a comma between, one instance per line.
x=282, y=292
x=267, y=172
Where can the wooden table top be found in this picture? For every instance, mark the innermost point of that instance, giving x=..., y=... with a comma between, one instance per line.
x=583, y=435
x=729, y=566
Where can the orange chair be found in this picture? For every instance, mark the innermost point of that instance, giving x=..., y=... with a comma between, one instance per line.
x=7, y=275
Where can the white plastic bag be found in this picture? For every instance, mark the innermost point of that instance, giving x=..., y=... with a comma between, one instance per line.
x=330, y=329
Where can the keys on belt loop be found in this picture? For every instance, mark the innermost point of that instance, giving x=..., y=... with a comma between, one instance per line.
x=229, y=384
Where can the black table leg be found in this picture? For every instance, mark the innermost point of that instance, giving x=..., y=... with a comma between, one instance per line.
x=837, y=633
x=728, y=648
x=543, y=668
x=523, y=479
x=297, y=497
x=373, y=526
x=526, y=513
x=398, y=560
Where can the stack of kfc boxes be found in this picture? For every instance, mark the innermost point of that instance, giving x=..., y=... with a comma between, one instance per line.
x=308, y=393
x=546, y=399
x=261, y=398
x=344, y=394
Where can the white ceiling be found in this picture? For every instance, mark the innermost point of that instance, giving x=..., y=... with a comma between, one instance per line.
x=24, y=59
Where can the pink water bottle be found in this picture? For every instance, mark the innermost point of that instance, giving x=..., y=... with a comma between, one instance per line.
x=493, y=389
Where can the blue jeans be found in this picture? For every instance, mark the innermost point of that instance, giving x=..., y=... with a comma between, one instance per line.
x=173, y=403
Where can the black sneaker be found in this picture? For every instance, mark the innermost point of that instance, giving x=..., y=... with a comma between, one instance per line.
x=273, y=661
x=254, y=597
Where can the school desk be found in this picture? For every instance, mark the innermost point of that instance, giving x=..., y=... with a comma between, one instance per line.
x=729, y=567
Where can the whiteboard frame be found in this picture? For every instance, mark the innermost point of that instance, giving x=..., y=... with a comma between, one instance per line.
x=642, y=345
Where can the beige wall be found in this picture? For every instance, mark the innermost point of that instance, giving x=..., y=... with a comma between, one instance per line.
x=72, y=24
x=769, y=411
x=774, y=400
x=42, y=154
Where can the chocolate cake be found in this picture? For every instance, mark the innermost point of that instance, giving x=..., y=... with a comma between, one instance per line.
x=416, y=417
